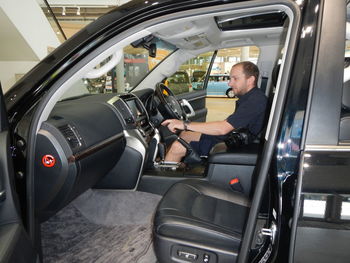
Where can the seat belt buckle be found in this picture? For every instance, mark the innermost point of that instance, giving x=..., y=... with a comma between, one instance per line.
x=236, y=185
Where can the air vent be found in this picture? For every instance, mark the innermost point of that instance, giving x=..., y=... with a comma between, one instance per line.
x=71, y=135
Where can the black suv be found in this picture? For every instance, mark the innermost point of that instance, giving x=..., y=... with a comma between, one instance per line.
x=284, y=198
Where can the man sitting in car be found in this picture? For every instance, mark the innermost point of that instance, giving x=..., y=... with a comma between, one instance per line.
x=249, y=113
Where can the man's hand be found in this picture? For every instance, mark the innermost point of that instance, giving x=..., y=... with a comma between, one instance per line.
x=210, y=128
x=174, y=125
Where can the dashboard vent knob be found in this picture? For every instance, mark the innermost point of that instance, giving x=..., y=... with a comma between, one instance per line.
x=72, y=136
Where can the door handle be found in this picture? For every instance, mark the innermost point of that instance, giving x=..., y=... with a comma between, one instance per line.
x=185, y=103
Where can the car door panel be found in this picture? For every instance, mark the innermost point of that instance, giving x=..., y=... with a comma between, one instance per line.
x=197, y=101
x=15, y=245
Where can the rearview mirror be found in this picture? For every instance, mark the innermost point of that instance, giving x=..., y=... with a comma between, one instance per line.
x=146, y=43
x=152, y=51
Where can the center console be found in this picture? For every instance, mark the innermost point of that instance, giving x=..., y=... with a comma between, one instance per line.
x=141, y=141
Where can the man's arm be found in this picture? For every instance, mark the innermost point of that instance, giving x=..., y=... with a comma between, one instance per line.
x=210, y=128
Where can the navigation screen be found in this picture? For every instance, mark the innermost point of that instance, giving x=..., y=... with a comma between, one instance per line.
x=133, y=107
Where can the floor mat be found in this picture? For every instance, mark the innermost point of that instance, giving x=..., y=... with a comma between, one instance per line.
x=102, y=226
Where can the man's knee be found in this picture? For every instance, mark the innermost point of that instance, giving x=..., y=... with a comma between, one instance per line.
x=178, y=148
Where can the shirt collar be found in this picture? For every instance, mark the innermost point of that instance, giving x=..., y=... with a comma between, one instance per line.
x=245, y=96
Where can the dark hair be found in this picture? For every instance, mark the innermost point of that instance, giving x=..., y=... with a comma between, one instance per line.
x=250, y=69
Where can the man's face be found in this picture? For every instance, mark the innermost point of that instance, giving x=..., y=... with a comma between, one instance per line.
x=238, y=81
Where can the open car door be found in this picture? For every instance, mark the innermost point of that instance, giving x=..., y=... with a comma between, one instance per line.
x=15, y=245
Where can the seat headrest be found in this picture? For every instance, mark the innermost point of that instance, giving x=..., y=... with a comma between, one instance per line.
x=275, y=73
x=346, y=95
x=344, y=131
x=346, y=89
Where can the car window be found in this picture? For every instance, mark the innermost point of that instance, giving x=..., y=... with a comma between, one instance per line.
x=220, y=72
x=179, y=83
x=190, y=76
x=126, y=75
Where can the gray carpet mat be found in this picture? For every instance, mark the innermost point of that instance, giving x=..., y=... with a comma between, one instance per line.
x=102, y=226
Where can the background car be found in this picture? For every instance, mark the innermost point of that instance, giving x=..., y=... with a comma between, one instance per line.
x=217, y=85
x=179, y=82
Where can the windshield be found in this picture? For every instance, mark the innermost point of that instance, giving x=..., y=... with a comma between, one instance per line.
x=126, y=75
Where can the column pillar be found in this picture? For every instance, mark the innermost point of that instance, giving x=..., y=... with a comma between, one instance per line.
x=120, y=71
x=244, y=53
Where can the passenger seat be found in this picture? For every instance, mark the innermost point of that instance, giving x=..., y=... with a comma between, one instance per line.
x=198, y=221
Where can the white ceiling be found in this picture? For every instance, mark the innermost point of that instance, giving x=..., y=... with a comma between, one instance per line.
x=15, y=48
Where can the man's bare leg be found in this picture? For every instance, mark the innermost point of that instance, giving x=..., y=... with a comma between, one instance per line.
x=177, y=150
x=190, y=136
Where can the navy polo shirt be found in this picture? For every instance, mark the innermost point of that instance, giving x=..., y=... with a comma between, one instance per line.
x=249, y=113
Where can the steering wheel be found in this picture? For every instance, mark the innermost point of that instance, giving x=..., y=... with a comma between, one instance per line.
x=169, y=107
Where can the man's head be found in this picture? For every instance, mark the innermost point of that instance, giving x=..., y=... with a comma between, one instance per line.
x=243, y=77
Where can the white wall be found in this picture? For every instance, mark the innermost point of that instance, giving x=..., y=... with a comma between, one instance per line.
x=30, y=21
x=9, y=69
x=26, y=35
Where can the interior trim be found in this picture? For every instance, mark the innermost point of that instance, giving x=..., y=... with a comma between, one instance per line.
x=197, y=98
x=94, y=148
x=326, y=148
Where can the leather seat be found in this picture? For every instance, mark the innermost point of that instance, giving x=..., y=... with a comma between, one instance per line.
x=246, y=155
x=199, y=218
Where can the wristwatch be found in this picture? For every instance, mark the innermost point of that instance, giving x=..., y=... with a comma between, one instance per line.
x=186, y=122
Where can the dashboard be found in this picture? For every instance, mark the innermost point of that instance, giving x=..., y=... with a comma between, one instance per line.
x=99, y=140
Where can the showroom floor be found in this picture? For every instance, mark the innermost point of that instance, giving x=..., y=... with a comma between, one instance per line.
x=219, y=108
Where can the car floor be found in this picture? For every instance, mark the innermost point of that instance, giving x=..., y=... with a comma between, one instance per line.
x=102, y=226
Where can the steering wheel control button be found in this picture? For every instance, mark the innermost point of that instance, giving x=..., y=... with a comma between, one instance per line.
x=48, y=160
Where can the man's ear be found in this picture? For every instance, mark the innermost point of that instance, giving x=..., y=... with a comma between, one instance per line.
x=251, y=80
